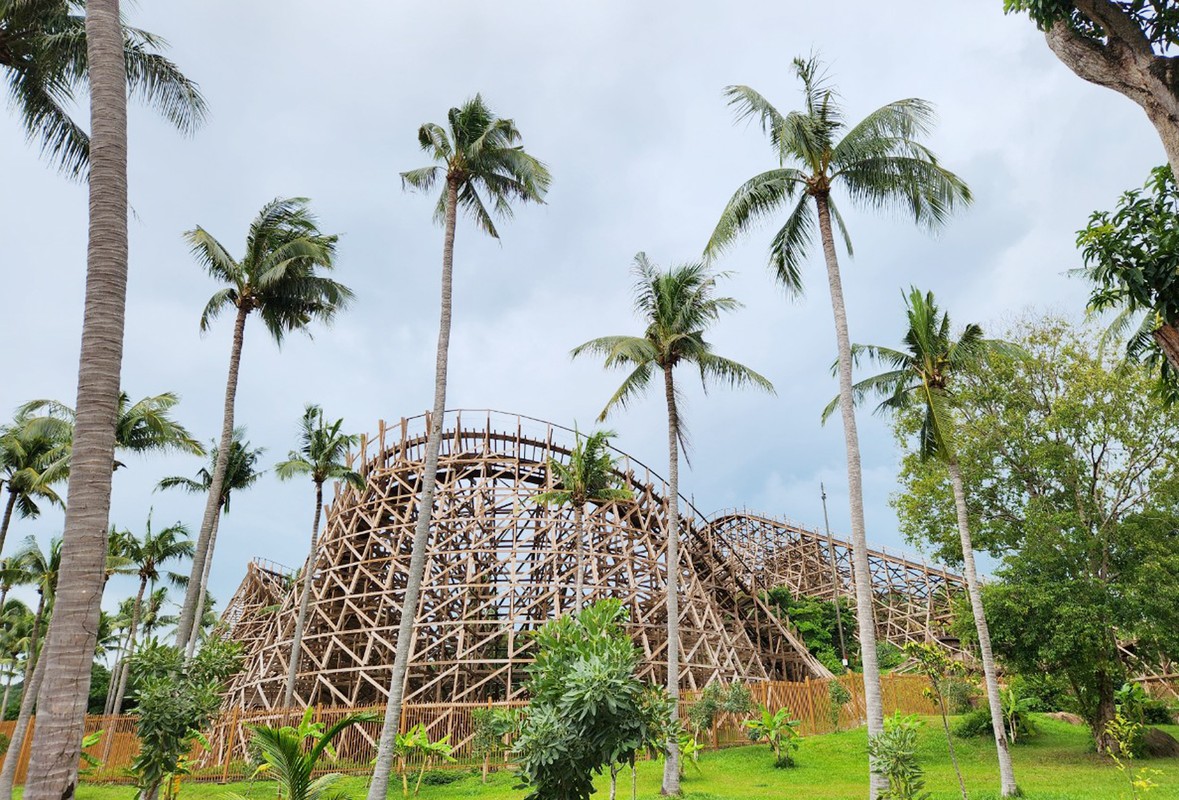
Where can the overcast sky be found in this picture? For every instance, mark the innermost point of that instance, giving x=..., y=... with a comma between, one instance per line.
x=623, y=101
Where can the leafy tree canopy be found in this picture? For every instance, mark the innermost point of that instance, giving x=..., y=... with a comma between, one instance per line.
x=1155, y=22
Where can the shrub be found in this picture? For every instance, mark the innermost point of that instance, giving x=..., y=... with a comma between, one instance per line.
x=888, y=656
x=718, y=698
x=778, y=731
x=894, y=755
x=4, y=742
x=1051, y=692
x=443, y=777
x=961, y=694
x=1017, y=712
x=292, y=764
x=975, y=724
x=839, y=696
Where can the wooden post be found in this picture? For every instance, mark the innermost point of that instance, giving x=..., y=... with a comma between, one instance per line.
x=232, y=739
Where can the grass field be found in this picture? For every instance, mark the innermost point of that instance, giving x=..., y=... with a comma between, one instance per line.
x=1057, y=765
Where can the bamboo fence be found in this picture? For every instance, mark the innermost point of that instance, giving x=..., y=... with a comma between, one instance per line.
x=227, y=759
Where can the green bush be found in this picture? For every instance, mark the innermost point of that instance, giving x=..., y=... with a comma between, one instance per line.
x=4, y=742
x=888, y=656
x=443, y=777
x=975, y=724
x=1157, y=712
x=961, y=695
x=1051, y=692
x=894, y=754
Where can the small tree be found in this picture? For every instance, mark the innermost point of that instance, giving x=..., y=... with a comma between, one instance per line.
x=716, y=699
x=838, y=697
x=175, y=699
x=492, y=725
x=587, y=708
x=779, y=731
x=1126, y=734
x=894, y=754
x=935, y=664
x=415, y=745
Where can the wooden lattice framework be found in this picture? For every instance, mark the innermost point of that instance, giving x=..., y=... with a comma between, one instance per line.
x=499, y=565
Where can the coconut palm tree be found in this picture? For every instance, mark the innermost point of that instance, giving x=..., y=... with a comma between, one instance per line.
x=146, y=426
x=44, y=61
x=920, y=376
x=678, y=307
x=33, y=457
x=480, y=164
x=879, y=163
x=590, y=477
x=322, y=453
x=279, y=277
x=70, y=645
x=16, y=626
x=148, y=554
x=240, y=473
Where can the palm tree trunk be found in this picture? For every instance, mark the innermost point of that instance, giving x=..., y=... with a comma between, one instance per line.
x=304, y=601
x=865, y=618
x=582, y=543
x=7, y=519
x=7, y=694
x=417, y=562
x=20, y=730
x=199, y=616
x=671, y=766
x=204, y=551
x=1006, y=773
x=136, y=610
x=34, y=650
x=69, y=646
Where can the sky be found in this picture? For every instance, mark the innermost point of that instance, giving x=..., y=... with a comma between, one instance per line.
x=623, y=101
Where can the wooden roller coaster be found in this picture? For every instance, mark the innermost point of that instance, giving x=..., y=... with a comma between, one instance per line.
x=500, y=565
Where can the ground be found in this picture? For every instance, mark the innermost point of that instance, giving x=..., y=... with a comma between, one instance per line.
x=1058, y=765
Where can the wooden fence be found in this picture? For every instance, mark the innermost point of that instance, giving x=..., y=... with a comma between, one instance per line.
x=226, y=759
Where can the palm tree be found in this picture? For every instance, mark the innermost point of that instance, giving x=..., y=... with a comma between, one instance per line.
x=41, y=569
x=478, y=155
x=880, y=163
x=148, y=555
x=16, y=626
x=57, y=741
x=146, y=426
x=44, y=62
x=590, y=477
x=240, y=473
x=278, y=277
x=33, y=457
x=321, y=455
x=678, y=307
x=920, y=376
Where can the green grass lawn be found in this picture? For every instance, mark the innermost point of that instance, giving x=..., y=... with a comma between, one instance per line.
x=1057, y=765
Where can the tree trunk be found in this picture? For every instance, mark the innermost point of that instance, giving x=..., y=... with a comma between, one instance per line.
x=5, y=522
x=582, y=544
x=1126, y=64
x=1006, y=773
x=136, y=610
x=1104, y=712
x=7, y=694
x=1167, y=337
x=614, y=769
x=417, y=562
x=304, y=601
x=17, y=741
x=199, y=615
x=69, y=647
x=671, y=766
x=203, y=550
x=34, y=649
x=941, y=704
x=865, y=617
x=634, y=781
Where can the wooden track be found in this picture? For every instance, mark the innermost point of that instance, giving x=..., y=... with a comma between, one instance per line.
x=499, y=566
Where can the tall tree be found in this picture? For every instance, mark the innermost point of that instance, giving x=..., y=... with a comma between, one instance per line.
x=921, y=375
x=44, y=61
x=33, y=457
x=1124, y=45
x=322, y=454
x=146, y=426
x=41, y=569
x=57, y=741
x=1073, y=465
x=148, y=554
x=678, y=307
x=279, y=277
x=16, y=625
x=590, y=476
x=478, y=156
x=879, y=163
x=240, y=473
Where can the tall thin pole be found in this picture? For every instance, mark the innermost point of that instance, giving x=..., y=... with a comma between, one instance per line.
x=834, y=576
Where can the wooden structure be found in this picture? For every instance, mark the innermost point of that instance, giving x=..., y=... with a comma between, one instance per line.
x=499, y=565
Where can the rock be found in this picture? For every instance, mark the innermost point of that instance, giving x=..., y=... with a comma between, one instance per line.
x=1159, y=744
x=1065, y=716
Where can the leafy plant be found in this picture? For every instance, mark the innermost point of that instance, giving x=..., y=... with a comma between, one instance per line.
x=492, y=726
x=894, y=754
x=175, y=698
x=1127, y=737
x=690, y=749
x=287, y=759
x=779, y=731
x=837, y=696
x=1017, y=712
x=935, y=663
x=718, y=698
